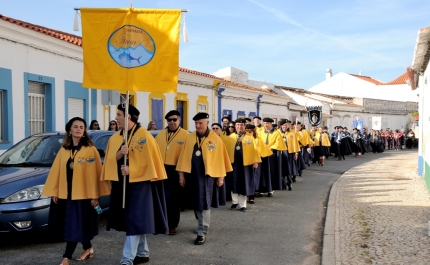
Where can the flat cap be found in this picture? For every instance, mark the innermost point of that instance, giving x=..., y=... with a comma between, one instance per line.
x=240, y=121
x=325, y=127
x=131, y=110
x=297, y=122
x=248, y=119
x=201, y=115
x=257, y=117
x=267, y=120
x=171, y=113
x=249, y=126
x=282, y=122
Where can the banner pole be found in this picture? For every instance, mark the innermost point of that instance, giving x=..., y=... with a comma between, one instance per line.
x=125, y=132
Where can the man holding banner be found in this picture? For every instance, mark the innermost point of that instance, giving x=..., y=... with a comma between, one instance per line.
x=132, y=49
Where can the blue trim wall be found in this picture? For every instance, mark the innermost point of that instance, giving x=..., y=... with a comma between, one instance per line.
x=6, y=87
x=49, y=100
x=420, y=166
x=241, y=113
x=94, y=104
x=226, y=112
x=75, y=90
x=252, y=114
x=258, y=104
x=219, y=92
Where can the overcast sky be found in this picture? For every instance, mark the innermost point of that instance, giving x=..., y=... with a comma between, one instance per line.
x=289, y=43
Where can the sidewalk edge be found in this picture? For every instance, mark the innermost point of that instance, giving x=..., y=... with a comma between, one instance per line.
x=328, y=251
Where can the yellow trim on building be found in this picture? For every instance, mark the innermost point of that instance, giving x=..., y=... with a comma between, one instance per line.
x=202, y=100
x=184, y=98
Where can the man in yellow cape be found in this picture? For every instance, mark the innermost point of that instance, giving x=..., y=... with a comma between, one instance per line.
x=145, y=207
x=205, y=160
x=273, y=140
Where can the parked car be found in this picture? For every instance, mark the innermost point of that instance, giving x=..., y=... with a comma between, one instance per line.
x=23, y=172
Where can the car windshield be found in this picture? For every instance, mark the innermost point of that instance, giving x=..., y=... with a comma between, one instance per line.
x=33, y=151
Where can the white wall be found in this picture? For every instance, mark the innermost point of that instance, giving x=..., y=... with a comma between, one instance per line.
x=343, y=84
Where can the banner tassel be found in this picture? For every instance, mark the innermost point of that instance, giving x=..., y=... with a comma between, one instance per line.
x=185, y=31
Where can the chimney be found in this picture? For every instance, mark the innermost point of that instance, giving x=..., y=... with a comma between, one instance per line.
x=328, y=74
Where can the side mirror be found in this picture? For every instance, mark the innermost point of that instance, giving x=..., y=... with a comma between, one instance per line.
x=101, y=152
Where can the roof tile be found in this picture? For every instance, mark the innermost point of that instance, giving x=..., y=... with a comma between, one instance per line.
x=77, y=40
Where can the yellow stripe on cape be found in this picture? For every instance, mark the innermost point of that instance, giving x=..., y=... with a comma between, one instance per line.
x=86, y=174
x=215, y=156
x=171, y=156
x=144, y=157
x=249, y=151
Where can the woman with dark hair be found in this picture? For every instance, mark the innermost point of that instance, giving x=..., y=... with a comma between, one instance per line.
x=74, y=185
x=231, y=128
x=113, y=125
x=94, y=125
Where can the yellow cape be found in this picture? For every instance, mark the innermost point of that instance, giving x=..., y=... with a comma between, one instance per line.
x=230, y=144
x=324, y=138
x=215, y=156
x=291, y=139
x=275, y=140
x=263, y=149
x=250, y=150
x=86, y=173
x=171, y=156
x=145, y=161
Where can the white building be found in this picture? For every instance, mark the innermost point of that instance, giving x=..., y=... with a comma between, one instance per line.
x=350, y=85
x=420, y=77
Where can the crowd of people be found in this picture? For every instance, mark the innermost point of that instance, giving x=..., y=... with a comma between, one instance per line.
x=150, y=181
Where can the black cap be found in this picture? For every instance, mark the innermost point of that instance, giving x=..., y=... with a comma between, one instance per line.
x=339, y=127
x=69, y=124
x=345, y=128
x=249, y=126
x=240, y=121
x=257, y=117
x=267, y=120
x=297, y=122
x=325, y=127
x=247, y=119
x=171, y=113
x=282, y=122
x=131, y=110
x=217, y=124
x=201, y=115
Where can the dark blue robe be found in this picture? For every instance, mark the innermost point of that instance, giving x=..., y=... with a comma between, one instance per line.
x=243, y=176
x=202, y=190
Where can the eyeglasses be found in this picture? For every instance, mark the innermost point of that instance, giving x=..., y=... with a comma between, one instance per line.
x=230, y=126
x=173, y=119
x=113, y=124
x=215, y=128
x=96, y=125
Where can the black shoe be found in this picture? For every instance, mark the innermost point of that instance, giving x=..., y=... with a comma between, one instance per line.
x=140, y=260
x=289, y=187
x=294, y=179
x=309, y=164
x=233, y=206
x=300, y=173
x=200, y=240
x=270, y=194
x=243, y=209
x=343, y=157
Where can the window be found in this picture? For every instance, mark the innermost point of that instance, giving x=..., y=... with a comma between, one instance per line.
x=36, y=107
x=1, y=115
x=202, y=108
x=75, y=108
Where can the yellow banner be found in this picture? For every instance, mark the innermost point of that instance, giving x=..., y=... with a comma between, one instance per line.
x=131, y=49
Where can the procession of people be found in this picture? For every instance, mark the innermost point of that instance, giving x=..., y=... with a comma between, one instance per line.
x=150, y=181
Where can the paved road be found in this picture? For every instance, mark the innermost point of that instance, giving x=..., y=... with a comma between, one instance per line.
x=284, y=229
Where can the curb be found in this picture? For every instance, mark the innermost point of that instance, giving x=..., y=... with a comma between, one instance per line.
x=328, y=251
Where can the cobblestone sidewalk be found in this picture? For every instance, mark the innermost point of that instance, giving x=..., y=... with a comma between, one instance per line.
x=381, y=213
